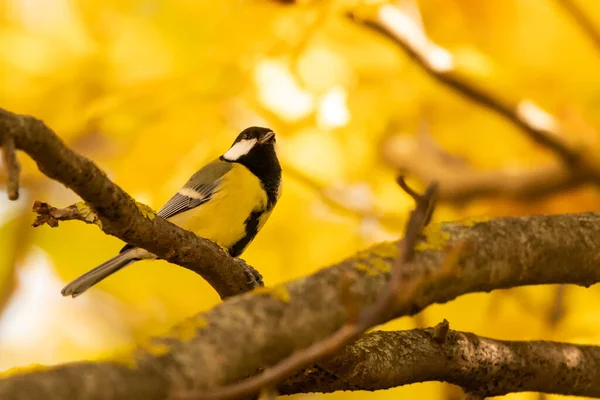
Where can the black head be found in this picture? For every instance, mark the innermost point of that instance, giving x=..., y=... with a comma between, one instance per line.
x=256, y=133
x=254, y=148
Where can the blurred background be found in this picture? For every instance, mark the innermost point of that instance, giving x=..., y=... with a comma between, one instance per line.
x=151, y=90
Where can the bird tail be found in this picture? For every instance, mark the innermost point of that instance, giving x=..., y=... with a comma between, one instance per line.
x=102, y=271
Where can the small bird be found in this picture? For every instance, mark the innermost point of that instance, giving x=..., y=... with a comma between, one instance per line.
x=227, y=201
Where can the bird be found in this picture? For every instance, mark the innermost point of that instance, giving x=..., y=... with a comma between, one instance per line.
x=227, y=201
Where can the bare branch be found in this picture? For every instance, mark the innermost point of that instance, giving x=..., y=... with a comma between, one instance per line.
x=51, y=215
x=481, y=366
x=541, y=127
x=13, y=168
x=426, y=202
x=557, y=312
x=118, y=214
x=376, y=361
x=440, y=332
x=581, y=19
x=398, y=292
x=460, y=182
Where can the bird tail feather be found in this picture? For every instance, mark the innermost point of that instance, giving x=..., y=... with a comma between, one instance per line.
x=102, y=271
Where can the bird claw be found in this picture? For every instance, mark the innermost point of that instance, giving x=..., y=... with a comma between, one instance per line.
x=255, y=279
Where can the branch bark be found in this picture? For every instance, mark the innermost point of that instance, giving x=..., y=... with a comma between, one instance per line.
x=245, y=333
x=51, y=215
x=119, y=214
x=481, y=366
x=397, y=293
x=13, y=168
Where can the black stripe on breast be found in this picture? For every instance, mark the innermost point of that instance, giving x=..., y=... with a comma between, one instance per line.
x=251, y=231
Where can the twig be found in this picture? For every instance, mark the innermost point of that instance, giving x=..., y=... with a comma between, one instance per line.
x=440, y=332
x=398, y=291
x=118, y=213
x=557, y=312
x=13, y=168
x=51, y=215
x=425, y=202
x=581, y=19
x=543, y=128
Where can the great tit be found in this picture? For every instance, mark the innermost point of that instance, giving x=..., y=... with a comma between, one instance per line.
x=227, y=201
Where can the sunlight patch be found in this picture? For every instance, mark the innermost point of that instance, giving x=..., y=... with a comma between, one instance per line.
x=279, y=92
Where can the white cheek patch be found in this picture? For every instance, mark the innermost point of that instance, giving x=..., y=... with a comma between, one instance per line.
x=239, y=149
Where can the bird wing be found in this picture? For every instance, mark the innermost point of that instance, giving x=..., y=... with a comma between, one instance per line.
x=203, y=185
x=198, y=189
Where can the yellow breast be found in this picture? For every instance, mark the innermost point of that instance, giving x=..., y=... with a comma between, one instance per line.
x=222, y=219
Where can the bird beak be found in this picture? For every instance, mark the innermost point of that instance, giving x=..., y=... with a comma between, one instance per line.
x=268, y=137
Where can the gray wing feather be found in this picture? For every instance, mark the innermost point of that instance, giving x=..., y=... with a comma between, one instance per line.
x=205, y=182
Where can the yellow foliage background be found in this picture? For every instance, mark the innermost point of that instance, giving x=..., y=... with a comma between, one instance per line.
x=151, y=90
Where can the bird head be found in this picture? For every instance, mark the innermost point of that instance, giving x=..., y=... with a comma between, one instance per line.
x=251, y=142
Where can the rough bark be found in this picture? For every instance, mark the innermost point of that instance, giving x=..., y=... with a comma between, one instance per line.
x=247, y=332
x=481, y=366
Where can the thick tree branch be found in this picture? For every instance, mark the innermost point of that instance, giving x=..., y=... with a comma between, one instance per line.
x=397, y=292
x=247, y=332
x=482, y=366
x=118, y=213
x=392, y=22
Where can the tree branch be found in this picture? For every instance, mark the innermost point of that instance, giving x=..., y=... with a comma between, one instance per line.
x=51, y=215
x=13, y=168
x=376, y=361
x=440, y=332
x=397, y=292
x=118, y=214
x=481, y=366
x=459, y=182
x=247, y=332
x=390, y=21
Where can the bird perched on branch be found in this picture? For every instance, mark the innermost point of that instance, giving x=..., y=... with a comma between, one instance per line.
x=227, y=201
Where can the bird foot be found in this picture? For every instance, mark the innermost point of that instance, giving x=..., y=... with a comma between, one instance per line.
x=255, y=279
